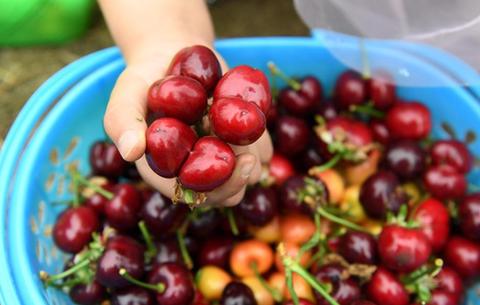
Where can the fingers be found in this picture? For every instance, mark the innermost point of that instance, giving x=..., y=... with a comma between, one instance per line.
x=124, y=119
x=163, y=185
x=265, y=147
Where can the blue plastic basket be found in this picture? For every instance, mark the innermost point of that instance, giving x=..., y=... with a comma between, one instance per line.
x=64, y=116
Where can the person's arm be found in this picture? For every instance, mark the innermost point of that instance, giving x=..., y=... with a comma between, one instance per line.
x=149, y=33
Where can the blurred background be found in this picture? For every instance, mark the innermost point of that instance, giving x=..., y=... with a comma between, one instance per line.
x=23, y=69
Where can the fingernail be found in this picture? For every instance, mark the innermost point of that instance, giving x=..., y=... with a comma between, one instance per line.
x=247, y=170
x=128, y=141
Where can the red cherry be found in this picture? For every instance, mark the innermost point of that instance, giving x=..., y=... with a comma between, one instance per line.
x=440, y=297
x=132, y=295
x=445, y=182
x=247, y=83
x=123, y=210
x=168, y=251
x=327, y=110
x=209, y=165
x=450, y=281
x=169, y=142
x=409, y=121
x=380, y=132
x=98, y=201
x=356, y=133
x=280, y=169
x=350, y=89
x=197, y=62
x=358, y=247
x=385, y=289
x=179, y=97
x=434, y=221
x=74, y=227
x=453, y=153
x=463, y=256
x=216, y=252
x=300, y=302
x=237, y=122
x=469, y=216
x=199, y=299
x=344, y=291
x=303, y=101
x=381, y=90
x=179, y=289
x=106, y=160
x=292, y=135
x=86, y=294
x=403, y=249
x=259, y=206
x=362, y=302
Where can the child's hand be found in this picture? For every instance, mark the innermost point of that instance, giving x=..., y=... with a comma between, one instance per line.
x=125, y=123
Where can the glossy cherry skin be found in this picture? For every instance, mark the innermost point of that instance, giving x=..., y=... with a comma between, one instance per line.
x=199, y=299
x=259, y=205
x=445, y=182
x=381, y=90
x=327, y=110
x=405, y=158
x=304, y=101
x=123, y=210
x=132, y=295
x=121, y=252
x=288, y=195
x=87, y=294
x=178, y=97
x=463, y=256
x=216, y=252
x=450, y=281
x=344, y=291
x=179, y=288
x=469, y=216
x=379, y=195
x=453, y=153
x=440, y=297
x=385, y=289
x=168, y=251
x=168, y=144
x=309, y=158
x=355, y=132
x=106, y=160
x=208, y=166
x=236, y=121
x=362, y=302
x=403, y=249
x=434, y=220
x=350, y=89
x=409, y=121
x=197, y=62
x=247, y=83
x=74, y=227
x=358, y=247
x=98, y=201
x=161, y=216
x=236, y=293
x=292, y=135
x=380, y=131
x=204, y=223
x=280, y=169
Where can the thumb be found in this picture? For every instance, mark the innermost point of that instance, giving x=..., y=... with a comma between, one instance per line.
x=124, y=119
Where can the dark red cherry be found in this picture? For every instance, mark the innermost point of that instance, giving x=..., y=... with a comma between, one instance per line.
x=469, y=216
x=247, y=83
x=132, y=295
x=304, y=101
x=237, y=293
x=403, y=249
x=344, y=291
x=121, y=252
x=362, y=302
x=350, y=89
x=168, y=251
x=463, y=256
x=292, y=135
x=409, y=121
x=123, y=210
x=453, y=153
x=161, y=216
x=272, y=117
x=98, y=201
x=327, y=110
x=203, y=223
x=168, y=144
x=384, y=288
x=300, y=302
x=450, y=281
x=131, y=172
x=92, y=293
x=356, y=133
x=445, y=182
x=178, y=97
x=216, y=251
x=236, y=121
x=440, y=297
x=380, y=194
x=280, y=169
x=74, y=227
x=179, y=288
x=358, y=247
x=199, y=299
x=434, y=220
x=106, y=160
x=380, y=131
x=259, y=205
x=381, y=90
x=405, y=158
x=197, y=62
x=208, y=166
x=289, y=195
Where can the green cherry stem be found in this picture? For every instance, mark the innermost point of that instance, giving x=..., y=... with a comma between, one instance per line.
x=183, y=249
x=341, y=221
x=416, y=275
x=276, y=295
x=51, y=279
x=289, y=282
x=82, y=180
x=151, y=249
x=290, y=81
x=329, y=164
x=368, y=110
x=231, y=221
x=159, y=288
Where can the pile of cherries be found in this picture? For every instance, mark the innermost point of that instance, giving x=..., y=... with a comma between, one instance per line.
x=237, y=113
x=358, y=206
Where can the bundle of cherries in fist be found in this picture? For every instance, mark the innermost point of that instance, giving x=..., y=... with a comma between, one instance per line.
x=358, y=206
x=236, y=115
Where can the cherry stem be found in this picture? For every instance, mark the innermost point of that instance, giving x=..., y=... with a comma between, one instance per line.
x=291, y=289
x=313, y=241
x=183, y=249
x=231, y=221
x=328, y=165
x=277, y=296
x=341, y=221
x=159, y=288
x=151, y=249
x=98, y=189
x=366, y=74
x=416, y=275
x=277, y=72
x=50, y=279
x=368, y=110
x=274, y=87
